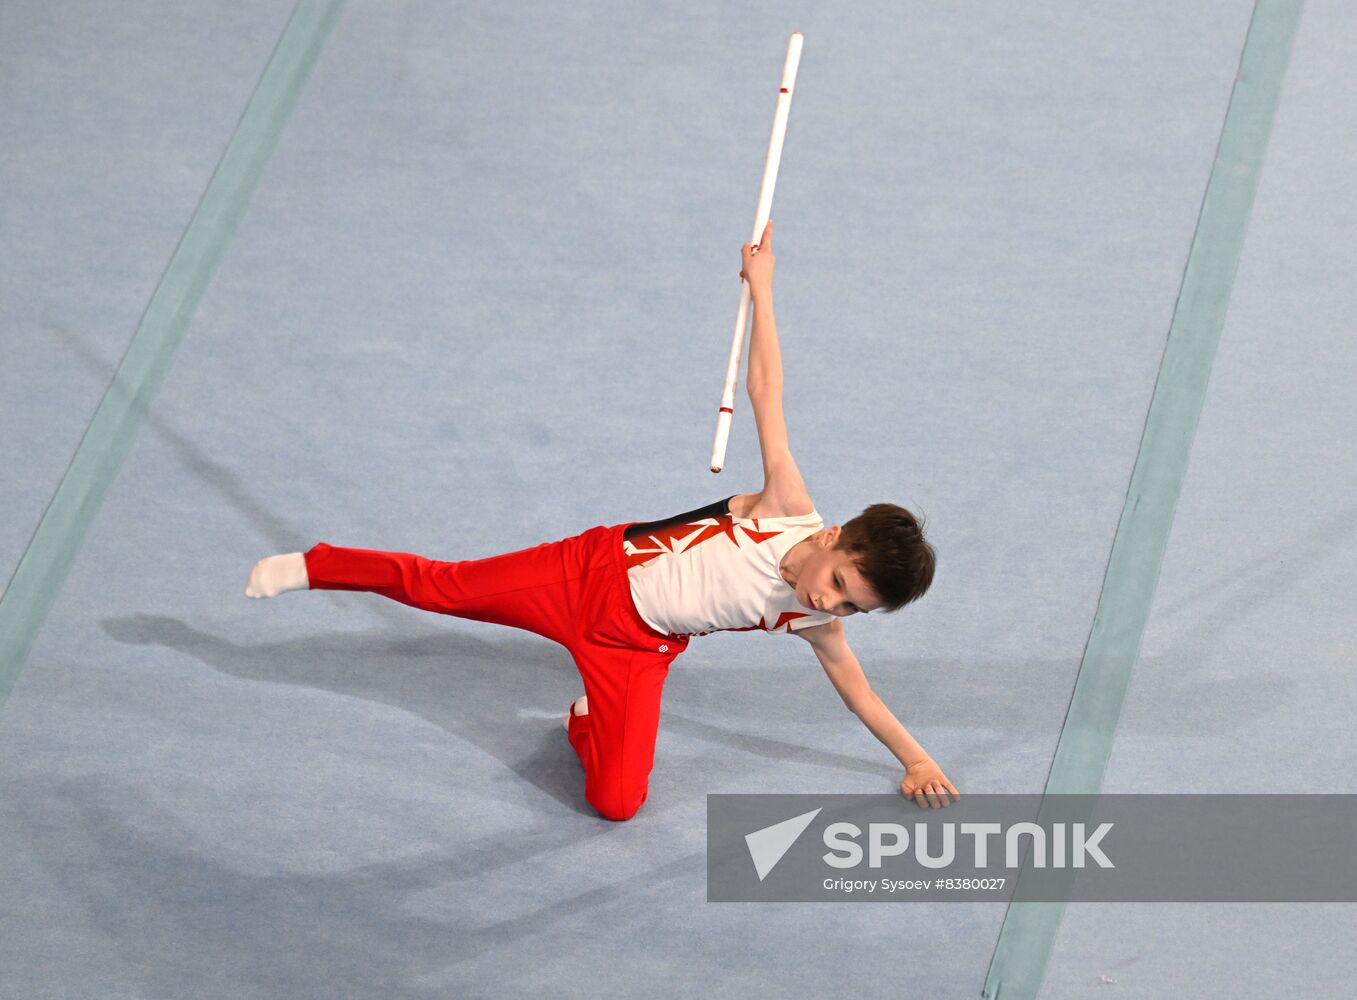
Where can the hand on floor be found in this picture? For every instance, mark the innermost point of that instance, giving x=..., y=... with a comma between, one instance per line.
x=927, y=785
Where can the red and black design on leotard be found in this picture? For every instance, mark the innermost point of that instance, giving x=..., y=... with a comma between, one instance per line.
x=719, y=509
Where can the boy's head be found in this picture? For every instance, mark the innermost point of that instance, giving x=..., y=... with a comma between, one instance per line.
x=877, y=561
x=887, y=544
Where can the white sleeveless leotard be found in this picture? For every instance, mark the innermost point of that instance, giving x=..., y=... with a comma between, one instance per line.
x=710, y=571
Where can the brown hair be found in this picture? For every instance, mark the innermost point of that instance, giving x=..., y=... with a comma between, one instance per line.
x=889, y=549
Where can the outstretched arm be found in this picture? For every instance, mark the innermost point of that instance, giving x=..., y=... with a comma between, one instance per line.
x=765, y=357
x=924, y=780
x=783, y=487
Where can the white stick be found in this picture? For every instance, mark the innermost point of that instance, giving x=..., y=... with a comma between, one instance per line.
x=765, y=209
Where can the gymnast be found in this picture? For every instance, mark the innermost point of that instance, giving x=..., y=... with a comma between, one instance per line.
x=626, y=599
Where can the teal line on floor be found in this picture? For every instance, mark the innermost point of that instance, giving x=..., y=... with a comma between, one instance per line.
x=111, y=432
x=1029, y=929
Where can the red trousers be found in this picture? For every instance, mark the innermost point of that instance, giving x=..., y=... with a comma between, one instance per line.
x=573, y=591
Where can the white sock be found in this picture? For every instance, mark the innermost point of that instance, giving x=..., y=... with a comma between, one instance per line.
x=277, y=575
x=581, y=708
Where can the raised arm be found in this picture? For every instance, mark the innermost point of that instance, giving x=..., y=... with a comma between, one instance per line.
x=783, y=487
x=924, y=780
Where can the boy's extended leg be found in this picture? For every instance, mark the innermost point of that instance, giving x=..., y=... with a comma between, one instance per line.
x=526, y=589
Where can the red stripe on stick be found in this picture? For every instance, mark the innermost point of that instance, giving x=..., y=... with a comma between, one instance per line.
x=727, y=409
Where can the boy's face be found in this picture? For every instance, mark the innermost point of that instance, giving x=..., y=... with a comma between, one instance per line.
x=830, y=580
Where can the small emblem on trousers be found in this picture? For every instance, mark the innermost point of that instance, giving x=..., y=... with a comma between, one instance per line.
x=664, y=649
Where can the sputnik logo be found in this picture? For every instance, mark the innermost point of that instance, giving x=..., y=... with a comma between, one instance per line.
x=767, y=846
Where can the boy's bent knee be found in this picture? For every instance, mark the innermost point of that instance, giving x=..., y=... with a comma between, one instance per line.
x=619, y=807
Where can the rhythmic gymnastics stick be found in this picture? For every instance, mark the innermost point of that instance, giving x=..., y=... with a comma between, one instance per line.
x=765, y=209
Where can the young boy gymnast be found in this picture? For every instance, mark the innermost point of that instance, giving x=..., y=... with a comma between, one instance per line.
x=626, y=599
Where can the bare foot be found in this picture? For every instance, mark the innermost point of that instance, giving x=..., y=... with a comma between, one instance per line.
x=277, y=575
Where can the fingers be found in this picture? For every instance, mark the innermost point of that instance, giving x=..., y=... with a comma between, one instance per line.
x=765, y=241
x=934, y=795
